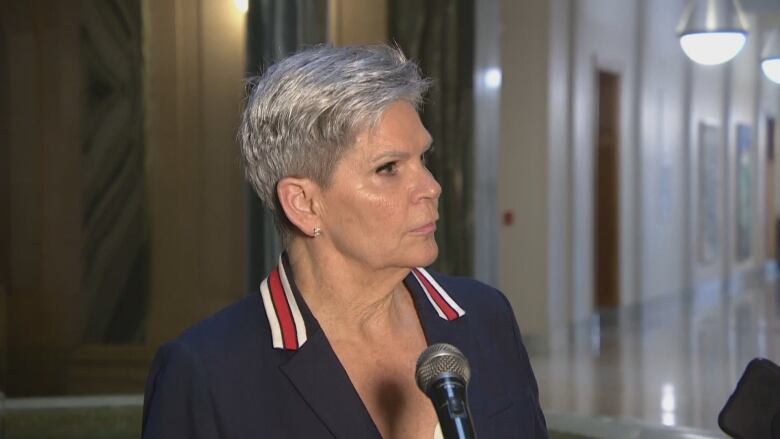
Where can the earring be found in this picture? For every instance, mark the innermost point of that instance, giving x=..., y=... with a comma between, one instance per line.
x=317, y=232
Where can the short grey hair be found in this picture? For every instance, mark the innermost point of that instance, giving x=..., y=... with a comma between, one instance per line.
x=306, y=110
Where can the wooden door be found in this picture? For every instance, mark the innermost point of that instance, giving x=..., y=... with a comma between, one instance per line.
x=606, y=208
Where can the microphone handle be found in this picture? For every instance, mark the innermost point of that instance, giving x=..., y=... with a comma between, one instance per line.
x=449, y=397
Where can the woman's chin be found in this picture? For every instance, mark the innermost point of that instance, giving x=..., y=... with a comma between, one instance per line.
x=427, y=254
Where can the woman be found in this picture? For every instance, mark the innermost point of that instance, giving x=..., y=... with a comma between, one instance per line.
x=333, y=145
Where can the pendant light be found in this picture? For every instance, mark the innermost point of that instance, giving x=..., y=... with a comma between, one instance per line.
x=770, y=58
x=712, y=31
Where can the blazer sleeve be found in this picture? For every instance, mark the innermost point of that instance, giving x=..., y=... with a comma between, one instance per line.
x=540, y=424
x=177, y=400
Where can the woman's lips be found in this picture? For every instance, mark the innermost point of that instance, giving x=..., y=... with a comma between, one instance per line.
x=426, y=229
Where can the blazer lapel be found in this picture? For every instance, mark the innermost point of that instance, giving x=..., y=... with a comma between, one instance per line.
x=483, y=401
x=317, y=374
x=484, y=398
x=315, y=371
x=438, y=330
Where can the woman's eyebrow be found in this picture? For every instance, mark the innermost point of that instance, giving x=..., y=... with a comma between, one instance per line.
x=398, y=154
x=384, y=155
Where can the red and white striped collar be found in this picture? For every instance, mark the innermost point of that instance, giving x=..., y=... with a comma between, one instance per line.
x=288, y=328
x=441, y=301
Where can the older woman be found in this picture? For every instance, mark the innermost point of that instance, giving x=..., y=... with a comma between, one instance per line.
x=333, y=145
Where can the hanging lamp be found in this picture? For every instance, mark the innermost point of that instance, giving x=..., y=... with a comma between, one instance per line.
x=770, y=58
x=712, y=32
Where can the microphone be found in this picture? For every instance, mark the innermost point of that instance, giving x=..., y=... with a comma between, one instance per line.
x=443, y=374
x=753, y=410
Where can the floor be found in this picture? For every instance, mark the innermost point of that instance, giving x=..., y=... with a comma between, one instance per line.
x=672, y=362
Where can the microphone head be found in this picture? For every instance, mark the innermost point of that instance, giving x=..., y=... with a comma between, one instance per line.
x=441, y=360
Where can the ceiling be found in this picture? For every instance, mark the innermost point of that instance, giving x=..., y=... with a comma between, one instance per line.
x=761, y=6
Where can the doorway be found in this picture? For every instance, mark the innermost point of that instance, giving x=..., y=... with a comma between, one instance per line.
x=771, y=217
x=606, y=203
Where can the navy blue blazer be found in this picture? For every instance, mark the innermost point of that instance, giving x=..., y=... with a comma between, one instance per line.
x=263, y=368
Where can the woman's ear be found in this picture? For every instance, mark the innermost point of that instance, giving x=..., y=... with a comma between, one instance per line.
x=297, y=198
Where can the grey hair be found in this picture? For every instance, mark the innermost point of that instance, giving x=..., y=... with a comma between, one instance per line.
x=306, y=110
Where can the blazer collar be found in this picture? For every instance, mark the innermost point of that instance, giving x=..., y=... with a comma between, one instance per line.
x=292, y=323
x=311, y=365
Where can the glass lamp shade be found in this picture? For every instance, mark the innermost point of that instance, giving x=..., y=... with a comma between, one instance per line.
x=712, y=48
x=771, y=68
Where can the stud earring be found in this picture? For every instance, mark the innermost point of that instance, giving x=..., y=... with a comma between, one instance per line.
x=317, y=232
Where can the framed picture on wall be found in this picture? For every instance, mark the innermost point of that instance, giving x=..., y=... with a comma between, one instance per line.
x=708, y=200
x=744, y=191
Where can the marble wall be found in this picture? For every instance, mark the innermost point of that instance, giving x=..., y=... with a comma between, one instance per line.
x=115, y=221
x=122, y=187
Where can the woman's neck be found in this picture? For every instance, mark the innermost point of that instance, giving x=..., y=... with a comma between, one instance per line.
x=347, y=296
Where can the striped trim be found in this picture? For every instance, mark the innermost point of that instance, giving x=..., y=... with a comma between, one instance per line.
x=288, y=330
x=447, y=308
x=300, y=326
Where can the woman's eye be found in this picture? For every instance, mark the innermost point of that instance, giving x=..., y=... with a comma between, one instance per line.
x=387, y=168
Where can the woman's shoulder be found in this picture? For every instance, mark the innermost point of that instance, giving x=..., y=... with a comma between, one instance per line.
x=227, y=330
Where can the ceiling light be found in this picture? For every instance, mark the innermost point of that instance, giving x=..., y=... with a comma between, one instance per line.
x=712, y=31
x=770, y=58
x=771, y=68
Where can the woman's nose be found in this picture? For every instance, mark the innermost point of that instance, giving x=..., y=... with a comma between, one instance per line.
x=428, y=187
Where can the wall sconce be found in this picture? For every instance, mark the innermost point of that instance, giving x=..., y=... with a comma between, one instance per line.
x=770, y=58
x=712, y=31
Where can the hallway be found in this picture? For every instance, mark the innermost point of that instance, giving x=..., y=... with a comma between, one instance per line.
x=673, y=361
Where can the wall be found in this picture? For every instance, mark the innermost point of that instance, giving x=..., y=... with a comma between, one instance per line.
x=768, y=105
x=560, y=220
x=746, y=74
x=522, y=163
x=487, y=108
x=44, y=193
x=195, y=67
x=5, y=207
x=194, y=60
x=357, y=21
x=662, y=128
x=602, y=41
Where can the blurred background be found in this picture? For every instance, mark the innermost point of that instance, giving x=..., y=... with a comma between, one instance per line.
x=623, y=194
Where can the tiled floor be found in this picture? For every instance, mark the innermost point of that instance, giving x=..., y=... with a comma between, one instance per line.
x=672, y=362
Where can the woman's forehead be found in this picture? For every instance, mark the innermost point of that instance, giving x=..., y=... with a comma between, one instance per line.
x=399, y=129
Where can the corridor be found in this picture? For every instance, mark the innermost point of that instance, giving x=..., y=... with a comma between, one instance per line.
x=673, y=361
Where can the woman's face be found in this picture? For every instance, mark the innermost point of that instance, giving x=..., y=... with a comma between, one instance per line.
x=381, y=207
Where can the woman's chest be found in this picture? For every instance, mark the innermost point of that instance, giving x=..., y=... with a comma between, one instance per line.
x=389, y=392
